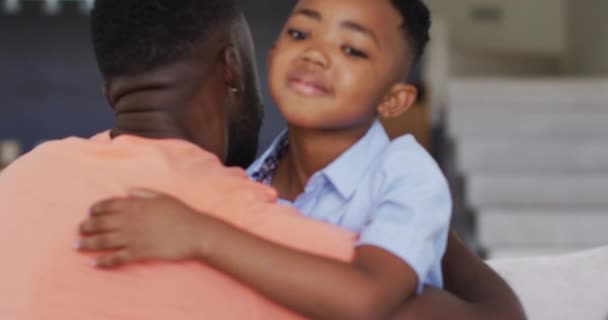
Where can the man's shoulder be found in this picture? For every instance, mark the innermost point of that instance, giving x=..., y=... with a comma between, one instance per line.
x=45, y=169
x=122, y=149
x=47, y=151
x=52, y=145
x=124, y=156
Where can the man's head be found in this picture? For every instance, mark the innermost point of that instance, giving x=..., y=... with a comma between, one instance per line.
x=338, y=64
x=180, y=69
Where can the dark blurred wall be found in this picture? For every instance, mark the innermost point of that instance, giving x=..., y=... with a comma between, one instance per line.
x=49, y=84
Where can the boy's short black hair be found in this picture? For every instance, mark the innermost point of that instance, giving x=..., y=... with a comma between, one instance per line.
x=133, y=36
x=416, y=25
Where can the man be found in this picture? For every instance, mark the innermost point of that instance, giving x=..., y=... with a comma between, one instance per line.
x=179, y=77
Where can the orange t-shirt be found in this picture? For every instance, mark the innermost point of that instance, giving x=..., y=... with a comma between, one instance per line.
x=47, y=193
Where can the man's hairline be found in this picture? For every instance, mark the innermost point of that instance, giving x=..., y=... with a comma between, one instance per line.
x=230, y=22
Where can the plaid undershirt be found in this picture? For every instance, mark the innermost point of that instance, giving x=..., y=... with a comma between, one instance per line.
x=267, y=169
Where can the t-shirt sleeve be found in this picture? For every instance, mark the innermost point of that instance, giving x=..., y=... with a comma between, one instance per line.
x=412, y=213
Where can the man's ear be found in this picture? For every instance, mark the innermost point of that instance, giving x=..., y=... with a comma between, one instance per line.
x=231, y=68
x=106, y=93
x=271, y=52
x=400, y=99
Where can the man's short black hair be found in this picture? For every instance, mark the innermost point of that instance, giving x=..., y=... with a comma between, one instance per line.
x=133, y=36
x=416, y=25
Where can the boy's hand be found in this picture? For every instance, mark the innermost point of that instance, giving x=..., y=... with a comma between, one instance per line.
x=144, y=226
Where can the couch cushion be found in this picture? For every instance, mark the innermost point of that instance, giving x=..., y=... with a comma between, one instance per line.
x=573, y=286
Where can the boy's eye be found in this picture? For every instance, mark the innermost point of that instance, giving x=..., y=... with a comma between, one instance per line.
x=296, y=34
x=350, y=51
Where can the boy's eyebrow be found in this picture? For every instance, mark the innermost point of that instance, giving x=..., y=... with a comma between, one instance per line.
x=351, y=25
x=361, y=29
x=309, y=13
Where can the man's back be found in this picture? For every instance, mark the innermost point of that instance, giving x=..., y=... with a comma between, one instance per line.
x=46, y=193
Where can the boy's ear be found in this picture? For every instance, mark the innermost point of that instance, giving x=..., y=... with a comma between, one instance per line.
x=231, y=68
x=400, y=99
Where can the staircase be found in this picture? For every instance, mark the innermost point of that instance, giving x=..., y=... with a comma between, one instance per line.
x=533, y=155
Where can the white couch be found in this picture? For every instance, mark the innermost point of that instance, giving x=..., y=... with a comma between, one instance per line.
x=568, y=287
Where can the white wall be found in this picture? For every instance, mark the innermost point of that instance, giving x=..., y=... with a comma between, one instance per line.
x=526, y=26
x=588, y=37
x=528, y=38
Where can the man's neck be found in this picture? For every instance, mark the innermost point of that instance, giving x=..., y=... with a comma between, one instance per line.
x=148, y=124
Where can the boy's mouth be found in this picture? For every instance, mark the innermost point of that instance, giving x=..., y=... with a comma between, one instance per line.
x=308, y=84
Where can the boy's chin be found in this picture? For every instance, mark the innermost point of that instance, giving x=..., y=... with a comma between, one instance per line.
x=305, y=121
x=313, y=123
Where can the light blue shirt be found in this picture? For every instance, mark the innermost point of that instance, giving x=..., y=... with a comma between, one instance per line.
x=392, y=193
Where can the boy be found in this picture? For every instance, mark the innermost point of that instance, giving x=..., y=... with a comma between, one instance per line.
x=336, y=66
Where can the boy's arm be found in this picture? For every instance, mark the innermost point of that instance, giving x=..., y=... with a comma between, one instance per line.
x=373, y=286
x=474, y=291
x=369, y=288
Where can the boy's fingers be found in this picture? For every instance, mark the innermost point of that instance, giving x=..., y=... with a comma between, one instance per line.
x=101, y=243
x=107, y=206
x=114, y=260
x=98, y=224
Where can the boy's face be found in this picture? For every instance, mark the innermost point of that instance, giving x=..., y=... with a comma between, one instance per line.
x=336, y=61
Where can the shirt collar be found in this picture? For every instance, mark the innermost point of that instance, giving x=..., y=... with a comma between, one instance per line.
x=346, y=172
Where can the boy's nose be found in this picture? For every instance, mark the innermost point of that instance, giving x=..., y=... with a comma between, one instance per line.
x=316, y=57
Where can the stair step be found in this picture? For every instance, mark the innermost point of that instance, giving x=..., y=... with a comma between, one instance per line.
x=499, y=253
x=527, y=94
x=490, y=191
x=523, y=126
x=542, y=229
x=508, y=156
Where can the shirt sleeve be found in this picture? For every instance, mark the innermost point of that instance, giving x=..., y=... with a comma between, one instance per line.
x=412, y=213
